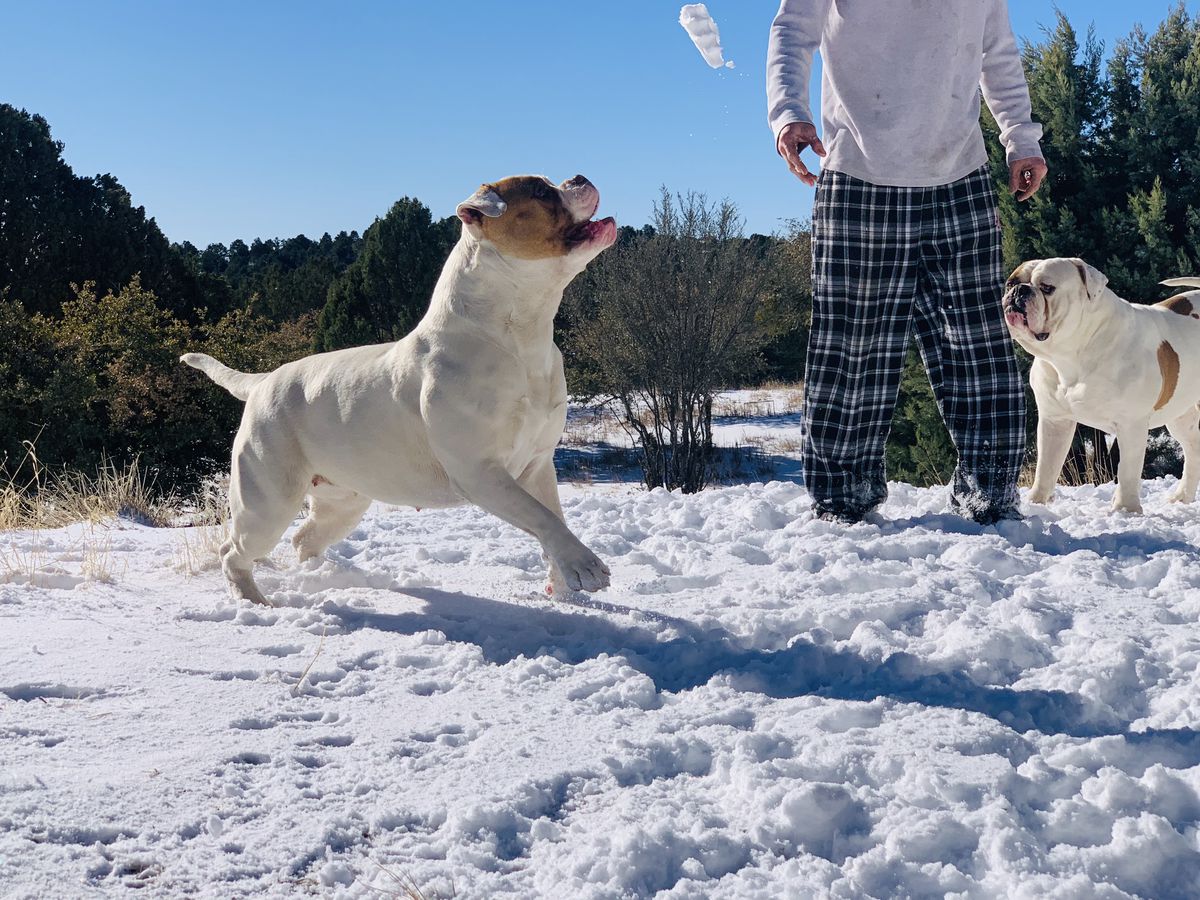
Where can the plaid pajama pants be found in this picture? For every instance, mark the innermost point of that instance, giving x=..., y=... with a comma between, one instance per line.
x=889, y=262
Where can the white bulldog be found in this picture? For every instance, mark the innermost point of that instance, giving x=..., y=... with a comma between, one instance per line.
x=467, y=408
x=1104, y=362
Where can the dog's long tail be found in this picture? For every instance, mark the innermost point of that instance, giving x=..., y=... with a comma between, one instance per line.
x=1192, y=281
x=240, y=384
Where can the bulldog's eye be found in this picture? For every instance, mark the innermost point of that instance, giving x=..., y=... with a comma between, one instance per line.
x=1047, y=289
x=542, y=192
x=1011, y=283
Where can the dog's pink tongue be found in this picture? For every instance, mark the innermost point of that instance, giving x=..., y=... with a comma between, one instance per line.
x=602, y=229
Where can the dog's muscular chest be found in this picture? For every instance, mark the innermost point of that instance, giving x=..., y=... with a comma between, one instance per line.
x=538, y=416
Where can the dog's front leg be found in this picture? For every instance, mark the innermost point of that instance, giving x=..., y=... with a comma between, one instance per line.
x=488, y=485
x=541, y=480
x=1053, y=442
x=1132, y=440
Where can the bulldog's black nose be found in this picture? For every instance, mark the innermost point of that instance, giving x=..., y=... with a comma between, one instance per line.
x=578, y=181
x=1018, y=296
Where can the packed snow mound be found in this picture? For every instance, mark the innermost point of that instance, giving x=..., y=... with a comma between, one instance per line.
x=702, y=29
x=762, y=705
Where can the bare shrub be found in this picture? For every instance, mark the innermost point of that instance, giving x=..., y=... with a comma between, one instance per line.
x=666, y=318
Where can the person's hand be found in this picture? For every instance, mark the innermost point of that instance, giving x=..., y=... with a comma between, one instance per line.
x=793, y=139
x=1025, y=176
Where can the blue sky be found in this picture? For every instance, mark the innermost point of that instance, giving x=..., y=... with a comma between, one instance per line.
x=269, y=119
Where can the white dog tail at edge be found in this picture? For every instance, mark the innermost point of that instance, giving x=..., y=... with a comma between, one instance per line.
x=1191, y=281
x=240, y=384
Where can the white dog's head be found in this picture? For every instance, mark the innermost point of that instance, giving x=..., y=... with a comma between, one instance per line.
x=1044, y=298
x=528, y=217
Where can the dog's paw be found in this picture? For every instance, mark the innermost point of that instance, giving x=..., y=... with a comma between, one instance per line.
x=1180, y=496
x=1133, y=507
x=581, y=570
x=1041, y=498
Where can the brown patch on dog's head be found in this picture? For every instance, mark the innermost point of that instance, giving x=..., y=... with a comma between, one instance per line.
x=1168, y=365
x=1180, y=303
x=536, y=223
x=1022, y=274
x=528, y=217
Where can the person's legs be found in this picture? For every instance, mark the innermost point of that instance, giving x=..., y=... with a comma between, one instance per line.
x=865, y=258
x=981, y=394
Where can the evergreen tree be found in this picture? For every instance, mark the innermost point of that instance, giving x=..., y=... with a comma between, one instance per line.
x=58, y=229
x=386, y=290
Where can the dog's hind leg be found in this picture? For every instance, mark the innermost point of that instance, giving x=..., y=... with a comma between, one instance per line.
x=1186, y=430
x=263, y=501
x=330, y=518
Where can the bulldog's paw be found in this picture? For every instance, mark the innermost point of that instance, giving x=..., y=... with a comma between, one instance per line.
x=1179, y=495
x=580, y=570
x=1041, y=498
x=1133, y=507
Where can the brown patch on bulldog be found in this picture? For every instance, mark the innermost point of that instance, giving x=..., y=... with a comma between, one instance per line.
x=1022, y=272
x=1180, y=303
x=1168, y=364
x=536, y=223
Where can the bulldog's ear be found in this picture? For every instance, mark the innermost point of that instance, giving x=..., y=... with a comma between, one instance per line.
x=484, y=202
x=1093, y=279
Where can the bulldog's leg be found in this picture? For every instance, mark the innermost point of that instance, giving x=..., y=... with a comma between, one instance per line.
x=541, y=480
x=488, y=485
x=1132, y=440
x=1186, y=430
x=1053, y=443
x=263, y=500
x=329, y=520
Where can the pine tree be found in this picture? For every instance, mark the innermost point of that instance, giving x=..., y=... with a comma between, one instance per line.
x=386, y=290
x=58, y=229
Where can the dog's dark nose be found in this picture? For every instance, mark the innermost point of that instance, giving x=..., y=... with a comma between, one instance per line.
x=1018, y=296
x=578, y=181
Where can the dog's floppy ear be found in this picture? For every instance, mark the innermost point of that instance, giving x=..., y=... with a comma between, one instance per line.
x=1093, y=279
x=484, y=202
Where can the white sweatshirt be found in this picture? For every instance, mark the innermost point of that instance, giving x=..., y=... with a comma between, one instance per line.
x=900, y=85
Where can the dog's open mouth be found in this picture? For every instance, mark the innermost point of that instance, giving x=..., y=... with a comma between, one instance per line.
x=599, y=231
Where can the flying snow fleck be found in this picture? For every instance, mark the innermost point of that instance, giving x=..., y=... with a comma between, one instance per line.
x=703, y=31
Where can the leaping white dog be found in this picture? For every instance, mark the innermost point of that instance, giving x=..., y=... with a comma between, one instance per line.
x=1108, y=363
x=467, y=408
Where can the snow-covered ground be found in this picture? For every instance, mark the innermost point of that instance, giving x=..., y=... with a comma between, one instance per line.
x=762, y=705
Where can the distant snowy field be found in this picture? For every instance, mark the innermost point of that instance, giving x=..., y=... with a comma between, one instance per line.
x=762, y=705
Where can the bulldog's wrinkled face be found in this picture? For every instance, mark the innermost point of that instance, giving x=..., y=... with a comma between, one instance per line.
x=1045, y=297
x=529, y=217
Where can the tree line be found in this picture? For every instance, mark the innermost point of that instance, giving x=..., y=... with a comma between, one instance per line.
x=97, y=303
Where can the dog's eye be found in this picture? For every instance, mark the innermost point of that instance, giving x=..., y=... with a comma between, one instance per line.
x=542, y=192
x=1011, y=283
x=1047, y=289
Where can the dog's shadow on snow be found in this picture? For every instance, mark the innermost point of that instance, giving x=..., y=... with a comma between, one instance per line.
x=567, y=631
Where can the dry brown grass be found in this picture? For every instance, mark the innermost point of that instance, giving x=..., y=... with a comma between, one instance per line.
x=198, y=547
x=587, y=427
x=34, y=497
x=771, y=399
x=34, y=500
x=1096, y=469
x=406, y=887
